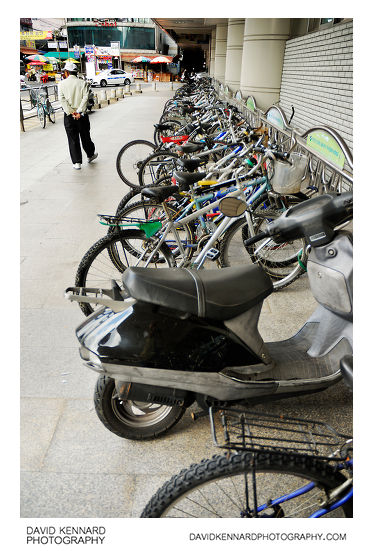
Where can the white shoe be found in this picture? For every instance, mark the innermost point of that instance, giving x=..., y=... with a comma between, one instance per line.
x=77, y=166
x=94, y=156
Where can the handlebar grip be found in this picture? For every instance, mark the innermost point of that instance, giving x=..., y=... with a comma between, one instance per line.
x=255, y=239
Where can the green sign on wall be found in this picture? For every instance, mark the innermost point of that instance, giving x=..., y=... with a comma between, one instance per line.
x=322, y=142
x=250, y=103
x=274, y=116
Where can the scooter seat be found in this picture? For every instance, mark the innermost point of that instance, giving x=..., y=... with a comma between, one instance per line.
x=212, y=294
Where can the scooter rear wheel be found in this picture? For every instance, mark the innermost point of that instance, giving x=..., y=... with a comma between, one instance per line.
x=132, y=419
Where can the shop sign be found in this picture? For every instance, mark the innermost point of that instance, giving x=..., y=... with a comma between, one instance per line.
x=76, y=52
x=89, y=52
x=102, y=50
x=115, y=48
x=104, y=22
x=62, y=44
x=52, y=45
x=36, y=35
x=322, y=142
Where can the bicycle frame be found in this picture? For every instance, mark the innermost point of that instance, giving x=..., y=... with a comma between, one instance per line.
x=302, y=491
x=223, y=226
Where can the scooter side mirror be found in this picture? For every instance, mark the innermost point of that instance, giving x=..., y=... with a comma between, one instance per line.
x=232, y=207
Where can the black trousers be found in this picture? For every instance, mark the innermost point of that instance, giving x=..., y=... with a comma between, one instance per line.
x=78, y=131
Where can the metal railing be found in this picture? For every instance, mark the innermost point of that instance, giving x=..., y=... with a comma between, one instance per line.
x=330, y=161
x=29, y=100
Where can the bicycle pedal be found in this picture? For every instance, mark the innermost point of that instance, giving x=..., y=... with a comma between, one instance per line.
x=213, y=254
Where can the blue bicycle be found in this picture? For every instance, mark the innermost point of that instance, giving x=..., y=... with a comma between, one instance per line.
x=275, y=467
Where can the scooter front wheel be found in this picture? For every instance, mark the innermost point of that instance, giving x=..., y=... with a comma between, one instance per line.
x=131, y=419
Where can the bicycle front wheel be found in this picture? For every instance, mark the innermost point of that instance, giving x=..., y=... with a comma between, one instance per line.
x=223, y=487
x=109, y=257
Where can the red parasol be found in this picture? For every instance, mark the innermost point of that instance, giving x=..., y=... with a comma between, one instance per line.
x=161, y=59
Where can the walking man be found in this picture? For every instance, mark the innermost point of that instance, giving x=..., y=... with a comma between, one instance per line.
x=73, y=96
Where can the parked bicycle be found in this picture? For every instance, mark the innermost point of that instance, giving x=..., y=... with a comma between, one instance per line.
x=275, y=467
x=44, y=108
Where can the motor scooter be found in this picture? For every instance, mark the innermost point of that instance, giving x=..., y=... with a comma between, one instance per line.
x=174, y=336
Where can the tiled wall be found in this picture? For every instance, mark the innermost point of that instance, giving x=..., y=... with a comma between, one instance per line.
x=317, y=80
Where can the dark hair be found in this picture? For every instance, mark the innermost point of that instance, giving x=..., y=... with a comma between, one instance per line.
x=74, y=73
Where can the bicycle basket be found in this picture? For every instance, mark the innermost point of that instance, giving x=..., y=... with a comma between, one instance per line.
x=288, y=175
x=254, y=431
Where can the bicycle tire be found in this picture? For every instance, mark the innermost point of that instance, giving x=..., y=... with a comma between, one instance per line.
x=281, y=265
x=174, y=127
x=98, y=272
x=41, y=115
x=51, y=114
x=213, y=481
x=156, y=166
x=129, y=159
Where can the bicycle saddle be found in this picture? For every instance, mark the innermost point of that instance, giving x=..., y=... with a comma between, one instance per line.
x=213, y=294
x=187, y=179
x=163, y=126
x=190, y=147
x=160, y=193
x=190, y=164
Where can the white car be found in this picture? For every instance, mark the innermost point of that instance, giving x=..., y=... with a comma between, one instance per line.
x=112, y=76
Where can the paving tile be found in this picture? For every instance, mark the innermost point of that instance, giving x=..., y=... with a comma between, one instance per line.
x=39, y=418
x=57, y=374
x=61, y=495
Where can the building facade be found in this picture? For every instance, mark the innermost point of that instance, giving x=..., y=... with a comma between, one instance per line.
x=302, y=63
x=129, y=36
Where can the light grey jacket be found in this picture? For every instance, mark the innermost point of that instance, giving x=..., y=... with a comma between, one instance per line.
x=73, y=95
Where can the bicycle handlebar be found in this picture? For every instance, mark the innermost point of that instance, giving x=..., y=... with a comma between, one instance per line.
x=255, y=239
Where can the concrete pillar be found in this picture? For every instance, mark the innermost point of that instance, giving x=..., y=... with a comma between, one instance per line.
x=233, y=60
x=221, y=50
x=212, y=53
x=262, y=59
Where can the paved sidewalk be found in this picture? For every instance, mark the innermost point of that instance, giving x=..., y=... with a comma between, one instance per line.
x=71, y=465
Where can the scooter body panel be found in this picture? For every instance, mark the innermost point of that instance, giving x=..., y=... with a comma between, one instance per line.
x=154, y=337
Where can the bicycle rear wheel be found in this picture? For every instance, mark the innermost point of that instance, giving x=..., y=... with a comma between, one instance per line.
x=109, y=257
x=41, y=115
x=157, y=166
x=130, y=158
x=173, y=127
x=51, y=114
x=279, y=261
x=223, y=487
